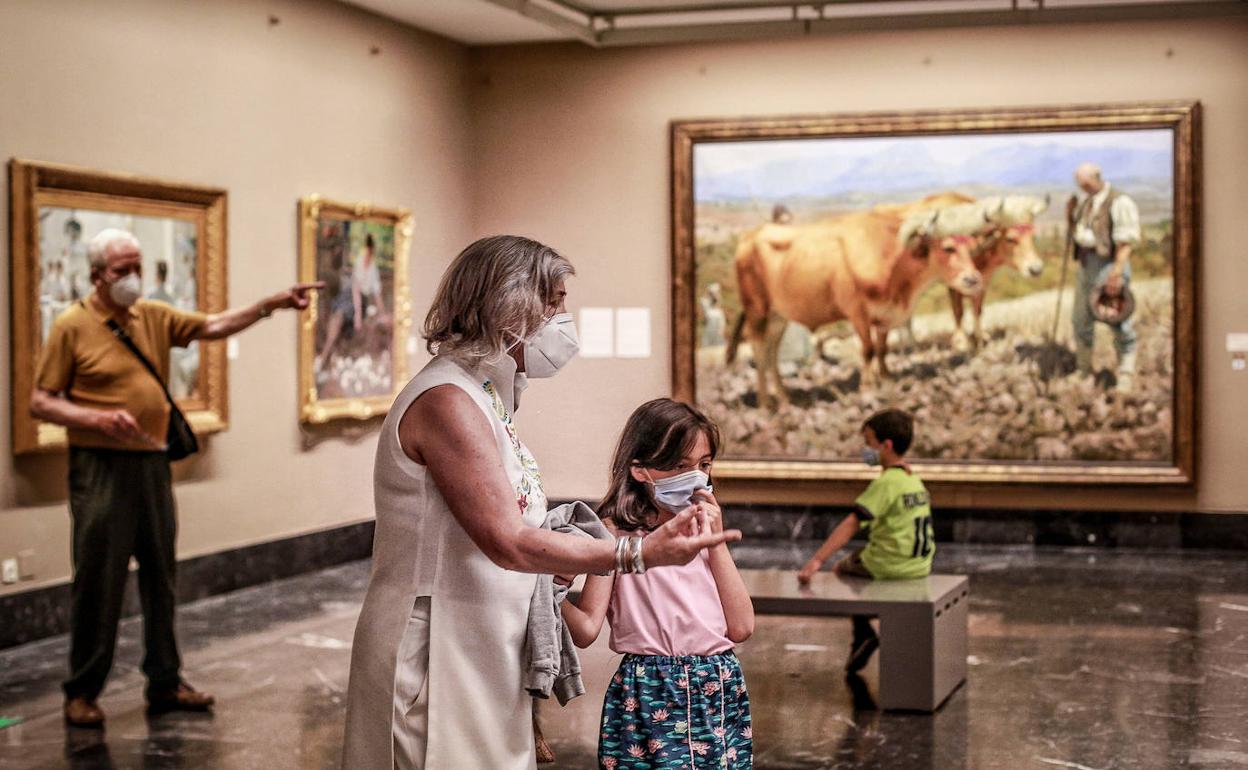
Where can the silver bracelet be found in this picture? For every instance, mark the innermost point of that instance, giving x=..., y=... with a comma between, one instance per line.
x=639, y=566
x=621, y=563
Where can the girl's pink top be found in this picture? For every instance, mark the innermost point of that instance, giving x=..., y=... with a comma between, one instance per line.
x=669, y=611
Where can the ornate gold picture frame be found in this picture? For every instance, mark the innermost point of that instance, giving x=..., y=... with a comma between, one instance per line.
x=825, y=267
x=353, y=336
x=55, y=210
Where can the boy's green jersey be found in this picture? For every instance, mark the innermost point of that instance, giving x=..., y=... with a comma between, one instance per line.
x=897, y=512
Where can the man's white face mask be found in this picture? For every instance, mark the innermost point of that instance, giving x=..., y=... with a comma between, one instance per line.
x=125, y=291
x=551, y=347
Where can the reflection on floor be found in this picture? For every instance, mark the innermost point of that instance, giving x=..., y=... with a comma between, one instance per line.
x=1079, y=659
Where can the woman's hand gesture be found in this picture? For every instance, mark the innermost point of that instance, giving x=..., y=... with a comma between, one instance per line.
x=682, y=537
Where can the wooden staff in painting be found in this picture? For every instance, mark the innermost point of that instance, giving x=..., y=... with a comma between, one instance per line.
x=1068, y=254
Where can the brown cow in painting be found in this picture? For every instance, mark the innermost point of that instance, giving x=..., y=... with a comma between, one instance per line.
x=865, y=267
x=1009, y=242
x=1004, y=235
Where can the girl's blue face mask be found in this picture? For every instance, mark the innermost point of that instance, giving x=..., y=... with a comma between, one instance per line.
x=870, y=456
x=675, y=493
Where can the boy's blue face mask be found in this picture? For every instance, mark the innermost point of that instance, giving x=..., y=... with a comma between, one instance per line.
x=870, y=456
x=675, y=493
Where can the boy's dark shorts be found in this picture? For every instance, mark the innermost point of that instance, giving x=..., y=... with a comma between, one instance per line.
x=852, y=565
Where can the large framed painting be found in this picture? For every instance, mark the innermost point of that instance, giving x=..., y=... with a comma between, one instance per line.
x=1019, y=280
x=181, y=228
x=353, y=336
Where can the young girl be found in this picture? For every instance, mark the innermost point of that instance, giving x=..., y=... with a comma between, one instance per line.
x=678, y=698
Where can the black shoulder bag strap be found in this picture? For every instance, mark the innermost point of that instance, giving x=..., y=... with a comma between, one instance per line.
x=121, y=335
x=181, y=439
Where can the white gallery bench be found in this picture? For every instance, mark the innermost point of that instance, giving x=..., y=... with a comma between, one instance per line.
x=922, y=626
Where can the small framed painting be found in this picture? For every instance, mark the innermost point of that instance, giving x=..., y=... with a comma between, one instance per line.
x=352, y=340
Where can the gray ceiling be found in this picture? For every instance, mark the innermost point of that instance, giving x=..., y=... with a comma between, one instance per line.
x=648, y=22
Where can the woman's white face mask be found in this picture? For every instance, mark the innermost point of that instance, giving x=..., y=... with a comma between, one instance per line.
x=551, y=347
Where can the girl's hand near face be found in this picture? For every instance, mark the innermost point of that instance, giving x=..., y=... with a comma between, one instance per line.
x=733, y=595
x=706, y=503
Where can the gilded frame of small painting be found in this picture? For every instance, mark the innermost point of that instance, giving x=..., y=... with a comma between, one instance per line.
x=353, y=335
x=853, y=252
x=54, y=211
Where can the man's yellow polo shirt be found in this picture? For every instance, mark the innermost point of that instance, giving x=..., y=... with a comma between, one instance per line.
x=85, y=363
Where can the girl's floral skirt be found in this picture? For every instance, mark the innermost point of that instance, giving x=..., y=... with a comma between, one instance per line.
x=676, y=712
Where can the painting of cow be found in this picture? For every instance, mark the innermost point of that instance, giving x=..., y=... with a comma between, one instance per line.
x=1004, y=230
x=845, y=263
x=865, y=268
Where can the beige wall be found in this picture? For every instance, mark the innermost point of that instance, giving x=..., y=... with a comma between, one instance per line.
x=571, y=145
x=207, y=92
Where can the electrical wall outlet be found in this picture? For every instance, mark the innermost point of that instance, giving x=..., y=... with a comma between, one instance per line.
x=26, y=565
x=8, y=571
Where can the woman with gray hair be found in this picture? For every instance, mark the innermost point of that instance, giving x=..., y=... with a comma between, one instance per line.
x=436, y=671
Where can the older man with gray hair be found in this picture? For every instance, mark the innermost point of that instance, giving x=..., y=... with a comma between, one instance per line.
x=1106, y=225
x=120, y=489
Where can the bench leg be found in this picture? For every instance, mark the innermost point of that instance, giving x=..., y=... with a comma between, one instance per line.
x=922, y=655
x=951, y=646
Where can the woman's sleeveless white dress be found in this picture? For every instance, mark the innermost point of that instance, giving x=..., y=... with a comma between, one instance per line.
x=474, y=711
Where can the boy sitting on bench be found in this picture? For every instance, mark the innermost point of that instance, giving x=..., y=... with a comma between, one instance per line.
x=895, y=509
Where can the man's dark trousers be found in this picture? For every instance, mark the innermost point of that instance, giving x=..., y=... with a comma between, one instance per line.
x=121, y=505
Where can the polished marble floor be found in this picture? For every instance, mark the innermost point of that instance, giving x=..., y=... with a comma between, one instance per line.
x=1079, y=659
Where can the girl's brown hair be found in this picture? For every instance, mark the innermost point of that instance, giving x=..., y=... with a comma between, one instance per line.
x=658, y=435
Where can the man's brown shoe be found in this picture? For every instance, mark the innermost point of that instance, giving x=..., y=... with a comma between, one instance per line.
x=183, y=698
x=80, y=712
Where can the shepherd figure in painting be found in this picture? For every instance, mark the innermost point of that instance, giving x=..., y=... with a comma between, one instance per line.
x=1106, y=227
x=713, y=317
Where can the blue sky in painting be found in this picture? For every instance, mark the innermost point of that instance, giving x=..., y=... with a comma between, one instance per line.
x=777, y=169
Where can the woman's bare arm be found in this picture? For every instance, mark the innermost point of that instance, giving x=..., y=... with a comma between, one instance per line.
x=447, y=432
